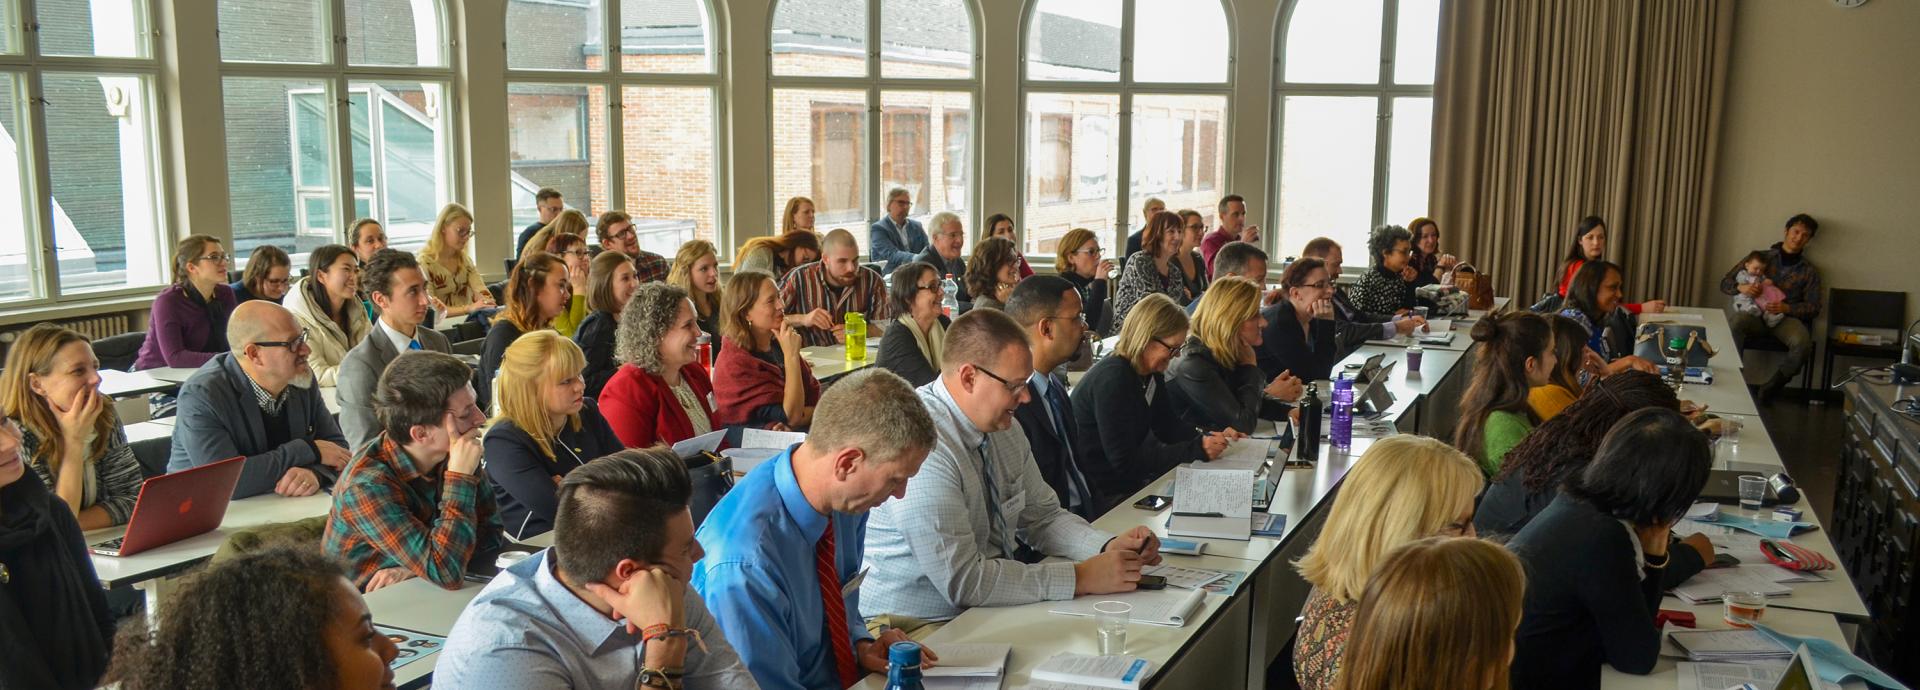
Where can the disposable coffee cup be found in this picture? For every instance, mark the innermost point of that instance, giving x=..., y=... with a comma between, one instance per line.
x=1413, y=357
x=507, y=559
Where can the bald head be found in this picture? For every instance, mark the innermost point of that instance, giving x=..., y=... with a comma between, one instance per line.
x=257, y=320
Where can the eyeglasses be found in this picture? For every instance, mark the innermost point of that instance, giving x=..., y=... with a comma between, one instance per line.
x=1012, y=388
x=1322, y=285
x=296, y=343
x=623, y=235
x=935, y=287
x=1170, y=348
x=465, y=232
x=1089, y=251
x=1076, y=318
x=216, y=257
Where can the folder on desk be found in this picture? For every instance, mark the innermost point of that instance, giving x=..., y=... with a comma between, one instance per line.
x=1212, y=503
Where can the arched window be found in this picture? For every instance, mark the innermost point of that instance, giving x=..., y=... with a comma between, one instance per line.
x=1356, y=118
x=574, y=116
x=1154, y=73
x=872, y=95
x=335, y=110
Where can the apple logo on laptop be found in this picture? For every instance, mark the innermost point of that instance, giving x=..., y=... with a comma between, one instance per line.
x=185, y=506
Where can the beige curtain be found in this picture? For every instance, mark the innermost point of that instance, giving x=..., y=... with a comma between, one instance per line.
x=1551, y=111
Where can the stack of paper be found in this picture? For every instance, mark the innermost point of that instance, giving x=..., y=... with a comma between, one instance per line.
x=1707, y=585
x=1727, y=645
x=1242, y=454
x=1124, y=672
x=967, y=666
x=1183, y=578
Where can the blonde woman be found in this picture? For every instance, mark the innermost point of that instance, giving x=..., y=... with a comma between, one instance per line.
x=452, y=279
x=696, y=269
x=69, y=434
x=778, y=255
x=1438, y=613
x=572, y=250
x=1216, y=381
x=610, y=283
x=1405, y=488
x=547, y=426
x=569, y=222
x=326, y=303
x=798, y=216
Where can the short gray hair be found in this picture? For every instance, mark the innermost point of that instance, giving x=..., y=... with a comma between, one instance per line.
x=647, y=317
x=898, y=192
x=874, y=410
x=939, y=222
x=1382, y=241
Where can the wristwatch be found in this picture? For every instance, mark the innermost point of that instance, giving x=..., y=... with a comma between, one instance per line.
x=653, y=678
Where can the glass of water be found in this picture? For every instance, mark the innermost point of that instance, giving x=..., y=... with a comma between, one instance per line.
x=1753, y=489
x=1112, y=617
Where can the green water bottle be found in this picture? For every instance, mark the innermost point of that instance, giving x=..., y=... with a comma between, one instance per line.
x=856, y=336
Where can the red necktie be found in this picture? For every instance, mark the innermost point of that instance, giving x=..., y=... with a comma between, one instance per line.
x=835, y=609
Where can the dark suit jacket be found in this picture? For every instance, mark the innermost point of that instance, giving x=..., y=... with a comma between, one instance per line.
x=1285, y=348
x=596, y=340
x=1050, y=449
x=220, y=418
x=360, y=371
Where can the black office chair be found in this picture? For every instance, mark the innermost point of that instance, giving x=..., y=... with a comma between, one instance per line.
x=1861, y=309
x=119, y=351
x=152, y=454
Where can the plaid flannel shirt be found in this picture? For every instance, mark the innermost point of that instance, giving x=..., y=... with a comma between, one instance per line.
x=387, y=513
x=649, y=267
x=806, y=288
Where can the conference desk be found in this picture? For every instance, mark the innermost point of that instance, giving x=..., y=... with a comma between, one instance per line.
x=830, y=361
x=117, y=384
x=153, y=571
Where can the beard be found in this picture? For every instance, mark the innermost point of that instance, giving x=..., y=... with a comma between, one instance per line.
x=303, y=380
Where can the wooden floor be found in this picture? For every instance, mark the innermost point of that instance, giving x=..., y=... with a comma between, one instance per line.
x=1808, y=438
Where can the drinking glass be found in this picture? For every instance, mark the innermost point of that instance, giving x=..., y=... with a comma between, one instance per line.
x=1112, y=617
x=1753, y=489
x=1743, y=609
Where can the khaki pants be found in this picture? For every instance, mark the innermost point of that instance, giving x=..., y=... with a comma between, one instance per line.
x=916, y=629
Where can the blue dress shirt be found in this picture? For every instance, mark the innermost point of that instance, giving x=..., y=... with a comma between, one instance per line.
x=759, y=580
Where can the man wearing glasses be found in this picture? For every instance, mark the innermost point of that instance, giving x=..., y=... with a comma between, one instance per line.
x=979, y=516
x=258, y=400
x=549, y=203
x=1049, y=308
x=616, y=233
x=943, y=253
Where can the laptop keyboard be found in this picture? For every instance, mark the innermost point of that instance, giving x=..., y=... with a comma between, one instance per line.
x=110, y=547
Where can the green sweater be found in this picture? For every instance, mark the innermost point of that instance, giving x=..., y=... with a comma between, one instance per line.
x=1503, y=431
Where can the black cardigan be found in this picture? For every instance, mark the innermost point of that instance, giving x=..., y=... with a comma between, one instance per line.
x=595, y=336
x=522, y=476
x=1093, y=301
x=1286, y=348
x=901, y=355
x=55, y=628
x=1586, y=602
x=1507, y=507
x=1213, y=397
x=1126, y=441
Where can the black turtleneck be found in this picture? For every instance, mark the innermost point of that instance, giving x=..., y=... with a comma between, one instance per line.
x=55, y=628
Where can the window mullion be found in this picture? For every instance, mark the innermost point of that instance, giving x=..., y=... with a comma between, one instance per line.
x=875, y=206
x=1383, y=112
x=40, y=173
x=616, y=146
x=1123, y=142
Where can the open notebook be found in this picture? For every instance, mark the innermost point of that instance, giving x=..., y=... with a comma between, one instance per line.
x=1166, y=607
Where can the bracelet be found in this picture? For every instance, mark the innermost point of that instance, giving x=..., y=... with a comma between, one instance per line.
x=1663, y=561
x=662, y=631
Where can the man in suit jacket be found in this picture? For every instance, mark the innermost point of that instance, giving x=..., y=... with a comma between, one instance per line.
x=1049, y=308
x=259, y=401
x=399, y=289
x=894, y=240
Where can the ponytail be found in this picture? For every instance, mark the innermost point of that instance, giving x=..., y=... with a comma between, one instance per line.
x=1500, y=374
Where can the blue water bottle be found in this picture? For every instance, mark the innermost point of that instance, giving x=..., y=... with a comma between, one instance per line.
x=1342, y=414
x=903, y=666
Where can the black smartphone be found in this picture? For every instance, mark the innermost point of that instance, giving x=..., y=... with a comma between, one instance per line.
x=1154, y=503
x=1153, y=582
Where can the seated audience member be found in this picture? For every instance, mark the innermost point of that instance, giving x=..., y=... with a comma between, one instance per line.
x=779, y=254
x=546, y=428
x=610, y=283
x=327, y=304
x=69, y=433
x=1571, y=360
x=537, y=293
x=569, y=222
x=1354, y=327
x=1148, y=210
x=267, y=276
x=992, y=272
x=761, y=380
x=798, y=217
x=661, y=393
x=188, y=323
x=452, y=279
x=55, y=626
x=696, y=269
x=819, y=295
x=608, y=606
x=282, y=618
x=1596, y=586
x=548, y=203
x=1799, y=280
x=414, y=502
x=1233, y=228
x=1079, y=262
x=942, y=549
x=1240, y=260
x=782, y=545
x=616, y=233
x=1515, y=354
x=919, y=329
x=1152, y=270
x=1383, y=290
x=367, y=238
x=895, y=239
x=1428, y=265
x=394, y=281
x=573, y=251
x=1216, y=381
x=1128, y=434
x=1593, y=300
x=259, y=401
x=1590, y=244
x=1001, y=225
x=1049, y=308
x=1194, y=269
x=944, y=248
x=1405, y=488
x=1563, y=446
x=1300, y=331
x=1456, y=601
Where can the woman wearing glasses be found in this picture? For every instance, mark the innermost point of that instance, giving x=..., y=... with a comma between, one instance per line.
x=1081, y=264
x=572, y=250
x=1384, y=290
x=1300, y=331
x=188, y=325
x=916, y=295
x=452, y=279
x=1129, y=433
x=1193, y=268
x=327, y=305
x=266, y=276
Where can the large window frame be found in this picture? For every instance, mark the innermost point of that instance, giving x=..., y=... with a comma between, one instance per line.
x=875, y=85
x=342, y=82
x=30, y=68
x=614, y=80
x=1384, y=90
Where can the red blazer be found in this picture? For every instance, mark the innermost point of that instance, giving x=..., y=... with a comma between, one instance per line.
x=743, y=382
x=642, y=410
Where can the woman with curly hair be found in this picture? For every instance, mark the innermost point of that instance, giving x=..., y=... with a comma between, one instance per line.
x=661, y=394
x=1383, y=290
x=281, y=618
x=992, y=272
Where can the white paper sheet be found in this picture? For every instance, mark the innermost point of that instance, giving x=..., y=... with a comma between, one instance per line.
x=698, y=444
x=1102, y=671
x=1183, y=578
x=1223, y=491
x=762, y=438
x=975, y=660
x=1709, y=584
x=1167, y=607
x=1242, y=454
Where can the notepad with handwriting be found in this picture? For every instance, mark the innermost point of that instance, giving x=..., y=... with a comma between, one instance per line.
x=1212, y=503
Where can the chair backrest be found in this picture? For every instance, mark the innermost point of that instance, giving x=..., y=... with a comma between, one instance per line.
x=1866, y=308
x=470, y=347
x=152, y=454
x=119, y=351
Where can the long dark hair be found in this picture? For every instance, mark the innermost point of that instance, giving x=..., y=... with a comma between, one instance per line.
x=1569, y=345
x=1650, y=467
x=983, y=269
x=321, y=258
x=1565, y=444
x=1586, y=225
x=1499, y=375
x=1583, y=294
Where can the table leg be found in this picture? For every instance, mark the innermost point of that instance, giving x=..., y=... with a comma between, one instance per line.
x=156, y=590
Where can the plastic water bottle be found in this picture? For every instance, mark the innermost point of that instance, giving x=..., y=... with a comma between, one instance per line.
x=903, y=666
x=1342, y=413
x=856, y=336
x=1310, y=413
x=949, y=296
x=705, y=347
